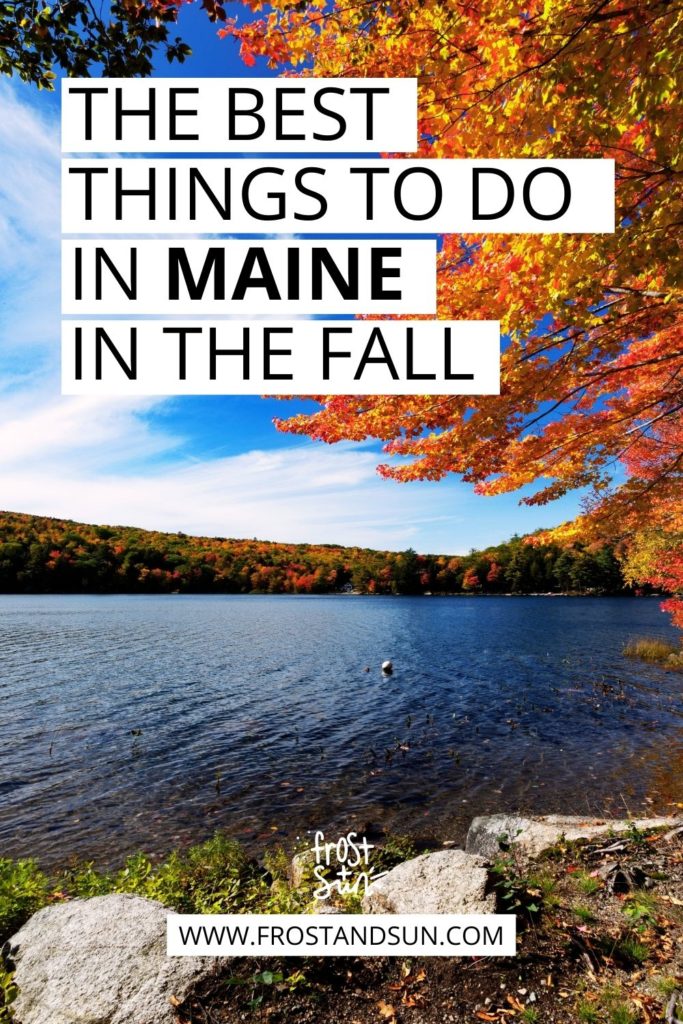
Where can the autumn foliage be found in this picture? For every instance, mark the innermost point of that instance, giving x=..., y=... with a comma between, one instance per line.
x=44, y=555
x=592, y=372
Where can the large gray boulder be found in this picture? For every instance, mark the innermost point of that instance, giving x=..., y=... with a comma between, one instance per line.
x=447, y=882
x=532, y=835
x=100, y=961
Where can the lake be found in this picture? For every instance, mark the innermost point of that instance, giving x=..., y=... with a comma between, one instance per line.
x=146, y=722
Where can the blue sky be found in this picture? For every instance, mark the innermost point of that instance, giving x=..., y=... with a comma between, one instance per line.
x=213, y=465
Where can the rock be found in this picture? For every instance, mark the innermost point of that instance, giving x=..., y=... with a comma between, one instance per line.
x=301, y=867
x=100, y=961
x=446, y=882
x=532, y=835
x=325, y=907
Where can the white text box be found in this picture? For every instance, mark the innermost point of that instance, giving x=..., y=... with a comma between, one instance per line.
x=224, y=115
x=341, y=935
x=336, y=196
x=272, y=276
x=304, y=357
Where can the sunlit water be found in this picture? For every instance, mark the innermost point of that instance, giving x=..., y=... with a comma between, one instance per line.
x=145, y=722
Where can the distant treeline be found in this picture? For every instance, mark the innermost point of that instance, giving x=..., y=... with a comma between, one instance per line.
x=41, y=555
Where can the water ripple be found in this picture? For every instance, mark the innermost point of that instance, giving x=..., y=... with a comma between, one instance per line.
x=140, y=722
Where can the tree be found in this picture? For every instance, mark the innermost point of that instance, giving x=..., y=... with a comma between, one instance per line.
x=470, y=580
x=656, y=557
x=493, y=576
x=592, y=370
x=36, y=38
x=407, y=572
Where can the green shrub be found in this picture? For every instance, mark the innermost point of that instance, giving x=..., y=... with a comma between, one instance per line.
x=215, y=877
x=516, y=891
x=8, y=993
x=394, y=850
x=641, y=910
x=23, y=890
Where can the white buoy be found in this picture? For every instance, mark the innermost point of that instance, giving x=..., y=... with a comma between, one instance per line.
x=387, y=667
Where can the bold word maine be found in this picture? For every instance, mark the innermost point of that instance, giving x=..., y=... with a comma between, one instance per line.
x=272, y=276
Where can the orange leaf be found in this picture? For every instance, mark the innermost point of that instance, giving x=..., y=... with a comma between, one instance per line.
x=515, y=1003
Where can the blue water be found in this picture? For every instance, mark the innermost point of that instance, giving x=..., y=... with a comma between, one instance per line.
x=144, y=722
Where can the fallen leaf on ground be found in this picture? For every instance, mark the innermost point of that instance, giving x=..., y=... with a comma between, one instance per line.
x=514, y=1003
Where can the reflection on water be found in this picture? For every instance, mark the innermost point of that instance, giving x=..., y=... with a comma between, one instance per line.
x=141, y=722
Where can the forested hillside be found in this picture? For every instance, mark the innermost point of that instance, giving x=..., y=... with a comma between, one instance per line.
x=43, y=555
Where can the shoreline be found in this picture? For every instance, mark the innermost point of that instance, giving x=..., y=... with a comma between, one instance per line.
x=598, y=923
x=359, y=593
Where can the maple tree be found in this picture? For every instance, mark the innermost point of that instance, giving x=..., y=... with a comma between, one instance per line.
x=592, y=368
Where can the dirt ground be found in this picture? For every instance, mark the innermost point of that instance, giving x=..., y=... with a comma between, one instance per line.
x=600, y=941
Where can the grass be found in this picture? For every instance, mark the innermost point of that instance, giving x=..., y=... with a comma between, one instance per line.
x=587, y=884
x=621, y=1013
x=632, y=950
x=654, y=650
x=667, y=986
x=584, y=914
x=546, y=886
x=519, y=890
x=618, y=1011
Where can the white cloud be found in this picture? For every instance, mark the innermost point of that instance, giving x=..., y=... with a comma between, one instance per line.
x=308, y=493
x=29, y=223
x=29, y=186
x=82, y=433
